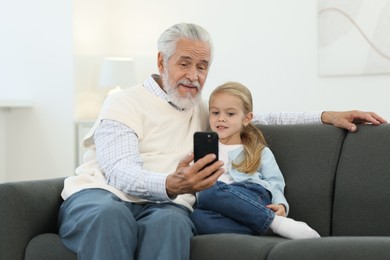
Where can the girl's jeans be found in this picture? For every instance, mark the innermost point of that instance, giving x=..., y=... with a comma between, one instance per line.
x=233, y=208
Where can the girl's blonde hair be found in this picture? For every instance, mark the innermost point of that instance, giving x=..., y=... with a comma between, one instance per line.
x=251, y=137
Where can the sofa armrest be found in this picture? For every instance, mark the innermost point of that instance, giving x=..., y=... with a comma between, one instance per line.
x=27, y=208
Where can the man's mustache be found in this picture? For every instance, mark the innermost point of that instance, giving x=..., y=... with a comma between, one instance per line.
x=189, y=83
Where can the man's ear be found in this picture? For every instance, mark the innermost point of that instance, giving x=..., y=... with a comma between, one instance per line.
x=160, y=62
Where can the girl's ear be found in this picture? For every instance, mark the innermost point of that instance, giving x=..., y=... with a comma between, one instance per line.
x=160, y=62
x=247, y=119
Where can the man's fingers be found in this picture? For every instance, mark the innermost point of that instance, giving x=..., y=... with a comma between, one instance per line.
x=201, y=163
x=209, y=179
x=186, y=160
x=206, y=176
x=379, y=118
x=350, y=126
x=374, y=118
x=367, y=117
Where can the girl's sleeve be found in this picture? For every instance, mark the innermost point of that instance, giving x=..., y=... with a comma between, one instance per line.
x=271, y=174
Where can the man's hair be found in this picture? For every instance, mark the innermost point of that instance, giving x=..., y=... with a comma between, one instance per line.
x=168, y=39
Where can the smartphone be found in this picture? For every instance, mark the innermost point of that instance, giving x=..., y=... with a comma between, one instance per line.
x=205, y=143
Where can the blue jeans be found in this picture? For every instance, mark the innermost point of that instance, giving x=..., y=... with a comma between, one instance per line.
x=233, y=208
x=96, y=224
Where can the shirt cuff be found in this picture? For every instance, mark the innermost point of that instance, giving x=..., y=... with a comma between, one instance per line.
x=157, y=188
x=318, y=117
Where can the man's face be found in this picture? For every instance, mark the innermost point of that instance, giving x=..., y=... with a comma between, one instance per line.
x=185, y=73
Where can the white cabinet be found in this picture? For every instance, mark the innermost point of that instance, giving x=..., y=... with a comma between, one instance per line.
x=82, y=129
x=15, y=103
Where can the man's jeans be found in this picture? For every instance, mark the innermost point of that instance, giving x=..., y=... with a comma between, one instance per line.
x=96, y=224
x=233, y=208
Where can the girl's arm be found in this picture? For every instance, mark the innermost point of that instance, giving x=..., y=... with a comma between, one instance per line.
x=273, y=177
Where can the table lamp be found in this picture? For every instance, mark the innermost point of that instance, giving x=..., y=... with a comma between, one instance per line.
x=116, y=73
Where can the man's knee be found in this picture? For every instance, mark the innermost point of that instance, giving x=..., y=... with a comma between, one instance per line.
x=171, y=217
x=105, y=210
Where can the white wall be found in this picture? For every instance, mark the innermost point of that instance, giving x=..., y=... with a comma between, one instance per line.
x=271, y=46
x=37, y=63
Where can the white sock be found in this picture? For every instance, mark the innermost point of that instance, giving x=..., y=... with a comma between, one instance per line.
x=289, y=228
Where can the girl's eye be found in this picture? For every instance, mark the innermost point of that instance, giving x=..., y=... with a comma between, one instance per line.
x=214, y=113
x=230, y=114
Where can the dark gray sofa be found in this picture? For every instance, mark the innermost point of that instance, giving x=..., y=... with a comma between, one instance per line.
x=337, y=182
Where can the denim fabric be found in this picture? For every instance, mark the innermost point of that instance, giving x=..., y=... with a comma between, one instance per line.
x=233, y=208
x=96, y=224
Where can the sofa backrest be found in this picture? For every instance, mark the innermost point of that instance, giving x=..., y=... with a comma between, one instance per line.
x=338, y=182
x=308, y=157
x=362, y=191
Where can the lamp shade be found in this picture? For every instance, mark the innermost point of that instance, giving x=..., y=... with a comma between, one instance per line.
x=117, y=72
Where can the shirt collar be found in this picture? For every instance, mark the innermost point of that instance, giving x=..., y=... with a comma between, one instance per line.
x=151, y=84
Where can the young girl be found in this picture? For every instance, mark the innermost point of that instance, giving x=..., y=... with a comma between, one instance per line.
x=248, y=198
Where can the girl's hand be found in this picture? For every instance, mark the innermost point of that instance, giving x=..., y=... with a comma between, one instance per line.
x=279, y=209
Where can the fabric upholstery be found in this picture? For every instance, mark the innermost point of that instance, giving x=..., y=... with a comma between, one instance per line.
x=308, y=157
x=362, y=192
x=48, y=247
x=333, y=248
x=338, y=182
x=28, y=208
x=232, y=246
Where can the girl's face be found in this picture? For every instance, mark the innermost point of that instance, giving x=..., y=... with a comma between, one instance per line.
x=227, y=117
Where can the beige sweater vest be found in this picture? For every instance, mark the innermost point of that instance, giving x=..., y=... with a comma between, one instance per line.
x=165, y=137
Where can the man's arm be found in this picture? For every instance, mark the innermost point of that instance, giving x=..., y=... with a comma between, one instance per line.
x=287, y=118
x=118, y=155
x=343, y=119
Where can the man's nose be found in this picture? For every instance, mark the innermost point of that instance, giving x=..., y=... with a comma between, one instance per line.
x=192, y=74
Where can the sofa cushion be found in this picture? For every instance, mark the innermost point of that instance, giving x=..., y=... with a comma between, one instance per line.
x=232, y=246
x=308, y=156
x=28, y=208
x=362, y=189
x=335, y=248
x=48, y=247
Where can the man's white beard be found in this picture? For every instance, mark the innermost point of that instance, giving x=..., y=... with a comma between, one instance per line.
x=173, y=95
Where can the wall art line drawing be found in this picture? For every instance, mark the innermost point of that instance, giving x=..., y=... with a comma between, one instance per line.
x=353, y=37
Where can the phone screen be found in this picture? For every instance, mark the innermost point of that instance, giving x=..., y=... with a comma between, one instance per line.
x=205, y=143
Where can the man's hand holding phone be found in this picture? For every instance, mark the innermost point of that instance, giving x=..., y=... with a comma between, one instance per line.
x=193, y=178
